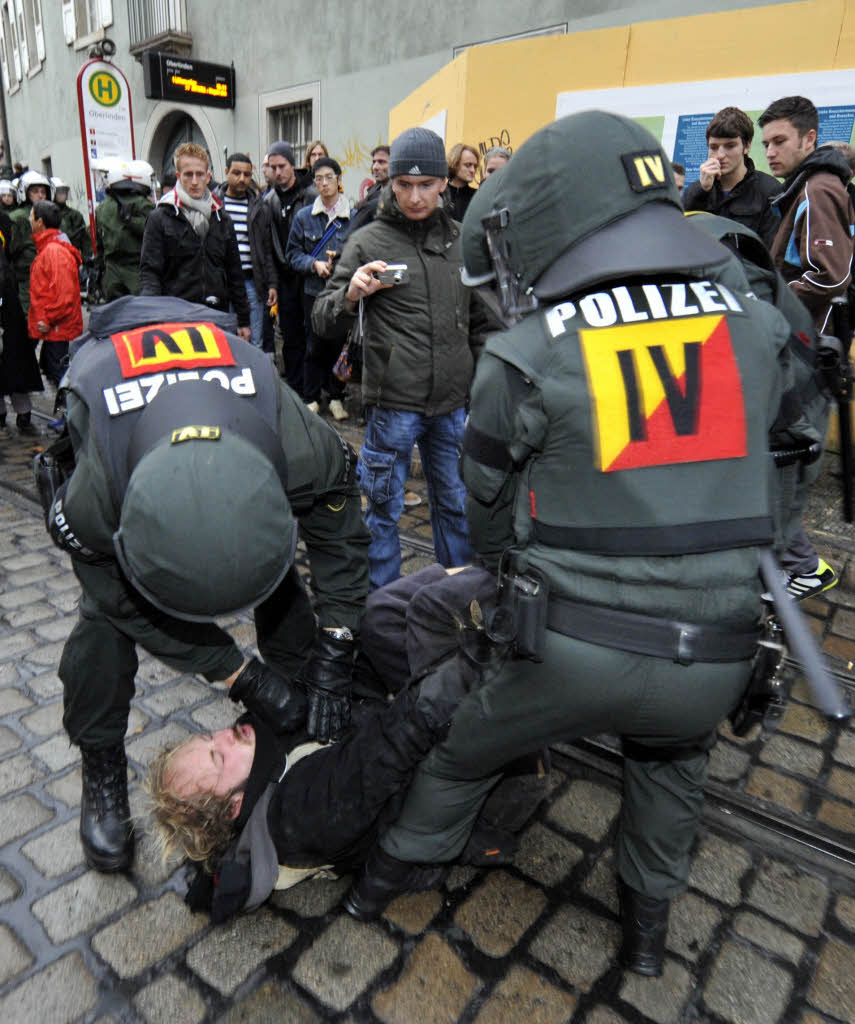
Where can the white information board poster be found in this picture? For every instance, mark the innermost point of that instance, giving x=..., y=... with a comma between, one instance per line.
x=679, y=112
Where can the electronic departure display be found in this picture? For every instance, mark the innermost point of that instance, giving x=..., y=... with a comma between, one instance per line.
x=170, y=77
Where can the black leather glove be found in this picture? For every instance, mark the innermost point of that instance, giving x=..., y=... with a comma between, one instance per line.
x=279, y=701
x=326, y=676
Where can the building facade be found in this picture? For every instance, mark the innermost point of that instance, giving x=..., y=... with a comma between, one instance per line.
x=331, y=70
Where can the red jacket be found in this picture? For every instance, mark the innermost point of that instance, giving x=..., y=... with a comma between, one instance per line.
x=55, y=288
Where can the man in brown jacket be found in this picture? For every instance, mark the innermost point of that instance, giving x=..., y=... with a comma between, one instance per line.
x=813, y=251
x=813, y=245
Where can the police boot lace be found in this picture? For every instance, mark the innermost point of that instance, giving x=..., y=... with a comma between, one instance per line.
x=106, y=831
x=645, y=928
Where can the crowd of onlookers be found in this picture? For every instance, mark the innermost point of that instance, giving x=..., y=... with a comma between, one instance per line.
x=266, y=250
x=239, y=244
x=270, y=243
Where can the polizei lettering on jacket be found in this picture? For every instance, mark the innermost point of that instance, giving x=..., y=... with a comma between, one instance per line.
x=197, y=351
x=136, y=394
x=639, y=303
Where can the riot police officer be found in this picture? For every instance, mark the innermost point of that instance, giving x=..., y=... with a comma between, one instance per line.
x=618, y=476
x=73, y=222
x=120, y=222
x=20, y=247
x=195, y=471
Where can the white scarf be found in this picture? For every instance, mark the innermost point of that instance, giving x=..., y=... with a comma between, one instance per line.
x=197, y=211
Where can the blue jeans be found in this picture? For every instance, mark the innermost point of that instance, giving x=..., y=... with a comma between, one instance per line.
x=256, y=313
x=384, y=465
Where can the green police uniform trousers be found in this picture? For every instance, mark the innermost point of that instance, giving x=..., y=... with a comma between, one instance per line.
x=99, y=660
x=580, y=689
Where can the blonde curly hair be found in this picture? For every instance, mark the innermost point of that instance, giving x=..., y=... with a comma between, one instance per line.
x=197, y=827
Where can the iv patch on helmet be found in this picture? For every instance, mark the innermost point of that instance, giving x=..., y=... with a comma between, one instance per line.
x=171, y=346
x=645, y=170
x=664, y=393
x=194, y=433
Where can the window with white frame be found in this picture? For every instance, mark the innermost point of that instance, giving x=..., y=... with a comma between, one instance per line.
x=83, y=19
x=30, y=36
x=11, y=56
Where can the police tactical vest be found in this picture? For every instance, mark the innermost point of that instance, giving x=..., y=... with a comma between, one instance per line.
x=118, y=375
x=657, y=399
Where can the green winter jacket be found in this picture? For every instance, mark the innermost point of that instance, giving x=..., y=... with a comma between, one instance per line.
x=421, y=338
x=120, y=224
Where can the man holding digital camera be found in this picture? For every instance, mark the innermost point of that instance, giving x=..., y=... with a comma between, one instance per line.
x=421, y=339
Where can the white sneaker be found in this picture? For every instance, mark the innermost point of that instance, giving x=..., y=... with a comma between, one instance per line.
x=801, y=586
x=411, y=499
x=313, y=407
x=338, y=410
x=809, y=584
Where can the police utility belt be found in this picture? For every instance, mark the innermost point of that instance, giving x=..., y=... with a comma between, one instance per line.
x=525, y=611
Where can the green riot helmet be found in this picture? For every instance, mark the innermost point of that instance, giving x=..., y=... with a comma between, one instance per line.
x=588, y=198
x=206, y=528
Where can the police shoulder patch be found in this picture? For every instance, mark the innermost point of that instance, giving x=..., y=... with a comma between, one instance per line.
x=645, y=170
x=195, y=433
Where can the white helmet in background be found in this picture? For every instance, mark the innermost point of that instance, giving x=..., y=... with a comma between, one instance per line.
x=30, y=178
x=57, y=184
x=7, y=186
x=126, y=175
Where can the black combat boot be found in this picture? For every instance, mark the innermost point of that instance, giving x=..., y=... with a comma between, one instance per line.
x=106, y=830
x=645, y=928
x=384, y=877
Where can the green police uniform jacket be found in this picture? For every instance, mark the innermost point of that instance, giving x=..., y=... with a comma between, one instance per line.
x=21, y=250
x=106, y=395
x=619, y=440
x=77, y=229
x=752, y=270
x=120, y=242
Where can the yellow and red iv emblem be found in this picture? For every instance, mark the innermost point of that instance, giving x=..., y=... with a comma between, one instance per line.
x=664, y=393
x=171, y=347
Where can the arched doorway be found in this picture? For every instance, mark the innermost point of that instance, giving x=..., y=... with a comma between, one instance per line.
x=181, y=128
x=177, y=125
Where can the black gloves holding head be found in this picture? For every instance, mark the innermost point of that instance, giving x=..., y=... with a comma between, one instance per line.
x=326, y=677
x=318, y=696
x=266, y=693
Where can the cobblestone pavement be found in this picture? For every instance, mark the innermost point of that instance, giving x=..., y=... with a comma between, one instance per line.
x=760, y=937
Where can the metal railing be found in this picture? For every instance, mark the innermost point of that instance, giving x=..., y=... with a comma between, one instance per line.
x=156, y=19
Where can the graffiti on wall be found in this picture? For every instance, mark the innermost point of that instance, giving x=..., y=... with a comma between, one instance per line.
x=503, y=139
x=357, y=154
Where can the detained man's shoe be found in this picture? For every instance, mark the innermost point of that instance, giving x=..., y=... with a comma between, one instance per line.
x=645, y=929
x=338, y=410
x=106, y=831
x=314, y=406
x=383, y=879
